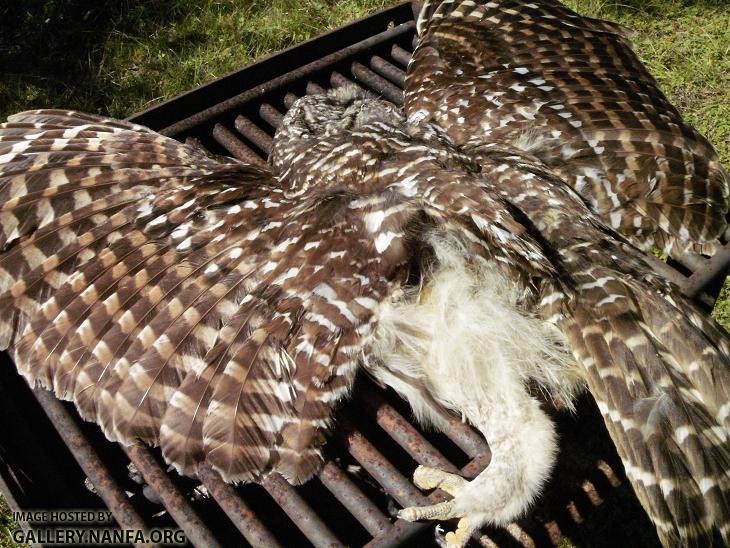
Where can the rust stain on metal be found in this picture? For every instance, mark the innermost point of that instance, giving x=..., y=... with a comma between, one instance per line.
x=304, y=517
x=173, y=501
x=520, y=535
x=592, y=493
x=554, y=532
x=354, y=500
x=106, y=487
x=574, y=512
x=604, y=467
x=245, y=520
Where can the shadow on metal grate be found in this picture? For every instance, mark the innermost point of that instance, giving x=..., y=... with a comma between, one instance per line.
x=49, y=457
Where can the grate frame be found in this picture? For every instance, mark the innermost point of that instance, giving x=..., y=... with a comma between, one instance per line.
x=47, y=452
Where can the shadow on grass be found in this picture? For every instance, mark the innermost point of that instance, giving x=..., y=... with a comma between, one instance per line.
x=52, y=51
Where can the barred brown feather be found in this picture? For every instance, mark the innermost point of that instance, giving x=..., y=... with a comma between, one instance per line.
x=162, y=291
x=221, y=310
x=656, y=367
x=211, y=307
x=570, y=91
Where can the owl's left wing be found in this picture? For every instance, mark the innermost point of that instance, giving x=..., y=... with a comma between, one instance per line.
x=178, y=298
x=569, y=89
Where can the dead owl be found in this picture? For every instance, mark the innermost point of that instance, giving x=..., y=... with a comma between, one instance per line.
x=221, y=310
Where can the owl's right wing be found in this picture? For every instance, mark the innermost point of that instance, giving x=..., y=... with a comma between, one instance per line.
x=569, y=90
x=177, y=298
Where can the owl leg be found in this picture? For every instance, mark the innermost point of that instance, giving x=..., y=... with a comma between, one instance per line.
x=523, y=443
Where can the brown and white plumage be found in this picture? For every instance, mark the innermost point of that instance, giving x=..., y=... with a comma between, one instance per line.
x=570, y=91
x=541, y=97
x=209, y=306
x=221, y=310
x=179, y=299
x=657, y=368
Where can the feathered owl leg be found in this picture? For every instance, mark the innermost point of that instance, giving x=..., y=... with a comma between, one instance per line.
x=523, y=443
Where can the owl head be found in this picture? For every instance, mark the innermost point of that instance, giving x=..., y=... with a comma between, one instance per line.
x=345, y=108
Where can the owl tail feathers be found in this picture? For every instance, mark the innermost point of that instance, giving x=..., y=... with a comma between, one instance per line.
x=659, y=372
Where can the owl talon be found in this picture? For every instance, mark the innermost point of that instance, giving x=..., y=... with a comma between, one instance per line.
x=464, y=530
x=426, y=477
x=440, y=511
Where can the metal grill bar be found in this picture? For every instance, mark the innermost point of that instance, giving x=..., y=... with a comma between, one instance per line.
x=173, y=501
x=288, y=78
x=236, y=509
x=235, y=146
x=390, y=71
x=253, y=133
x=390, y=92
x=272, y=116
x=107, y=488
x=289, y=100
x=299, y=511
x=354, y=500
x=406, y=435
x=401, y=55
x=381, y=469
x=314, y=88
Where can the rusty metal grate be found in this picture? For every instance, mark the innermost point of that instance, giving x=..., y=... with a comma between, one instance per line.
x=48, y=455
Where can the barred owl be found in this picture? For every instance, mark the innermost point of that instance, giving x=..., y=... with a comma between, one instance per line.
x=221, y=310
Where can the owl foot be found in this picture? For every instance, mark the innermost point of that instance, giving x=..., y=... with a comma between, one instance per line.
x=426, y=477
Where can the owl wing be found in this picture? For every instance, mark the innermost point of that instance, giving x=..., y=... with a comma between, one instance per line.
x=177, y=298
x=569, y=90
x=656, y=367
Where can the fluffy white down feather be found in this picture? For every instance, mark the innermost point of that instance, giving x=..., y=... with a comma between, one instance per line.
x=463, y=343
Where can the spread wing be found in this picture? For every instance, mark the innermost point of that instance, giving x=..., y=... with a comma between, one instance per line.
x=178, y=298
x=568, y=89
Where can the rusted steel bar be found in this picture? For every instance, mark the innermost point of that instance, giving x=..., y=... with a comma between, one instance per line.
x=389, y=70
x=405, y=434
x=235, y=146
x=314, y=89
x=389, y=91
x=718, y=264
x=272, y=116
x=106, y=487
x=466, y=439
x=402, y=531
x=411, y=439
x=253, y=133
x=354, y=500
x=402, y=56
x=173, y=501
x=236, y=509
x=285, y=79
x=289, y=100
x=380, y=468
x=299, y=511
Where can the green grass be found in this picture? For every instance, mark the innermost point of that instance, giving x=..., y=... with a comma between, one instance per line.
x=6, y=526
x=120, y=56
